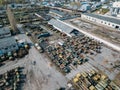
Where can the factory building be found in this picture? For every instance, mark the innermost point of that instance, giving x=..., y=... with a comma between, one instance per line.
x=115, y=9
x=103, y=20
x=4, y=32
x=8, y=45
x=59, y=25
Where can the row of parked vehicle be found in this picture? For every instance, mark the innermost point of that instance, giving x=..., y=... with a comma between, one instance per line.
x=13, y=79
x=93, y=81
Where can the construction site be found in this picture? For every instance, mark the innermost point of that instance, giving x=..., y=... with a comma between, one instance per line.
x=45, y=53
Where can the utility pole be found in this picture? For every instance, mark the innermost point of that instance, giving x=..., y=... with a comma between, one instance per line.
x=12, y=20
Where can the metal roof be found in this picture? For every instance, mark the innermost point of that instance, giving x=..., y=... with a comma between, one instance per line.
x=4, y=30
x=64, y=28
x=6, y=42
x=105, y=18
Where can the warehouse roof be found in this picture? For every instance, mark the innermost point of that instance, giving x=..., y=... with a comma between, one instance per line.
x=63, y=27
x=6, y=42
x=4, y=30
x=109, y=19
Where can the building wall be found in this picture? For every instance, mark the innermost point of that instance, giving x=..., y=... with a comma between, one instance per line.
x=102, y=22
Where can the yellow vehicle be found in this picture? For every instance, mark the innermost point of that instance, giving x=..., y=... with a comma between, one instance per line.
x=96, y=77
x=75, y=80
x=78, y=75
x=103, y=77
x=92, y=88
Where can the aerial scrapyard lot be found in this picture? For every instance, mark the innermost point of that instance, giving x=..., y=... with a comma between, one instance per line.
x=55, y=59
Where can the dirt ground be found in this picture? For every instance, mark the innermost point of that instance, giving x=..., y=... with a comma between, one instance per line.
x=104, y=32
x=117, y=80
x=41, y=75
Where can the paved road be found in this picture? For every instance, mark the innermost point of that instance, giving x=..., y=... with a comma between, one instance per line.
x=117, y=48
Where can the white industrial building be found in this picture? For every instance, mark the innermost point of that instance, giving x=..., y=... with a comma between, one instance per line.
x=59, y=25
x=103, y=20
x=115, y=9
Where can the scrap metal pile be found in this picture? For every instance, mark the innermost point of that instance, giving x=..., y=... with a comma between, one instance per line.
x=93, y=81
x=3, y=19
x=28, y=15
x=22, y=51
x=13, y=79
x=72, y=52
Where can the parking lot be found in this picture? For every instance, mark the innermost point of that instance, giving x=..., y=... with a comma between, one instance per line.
x=12, y=79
